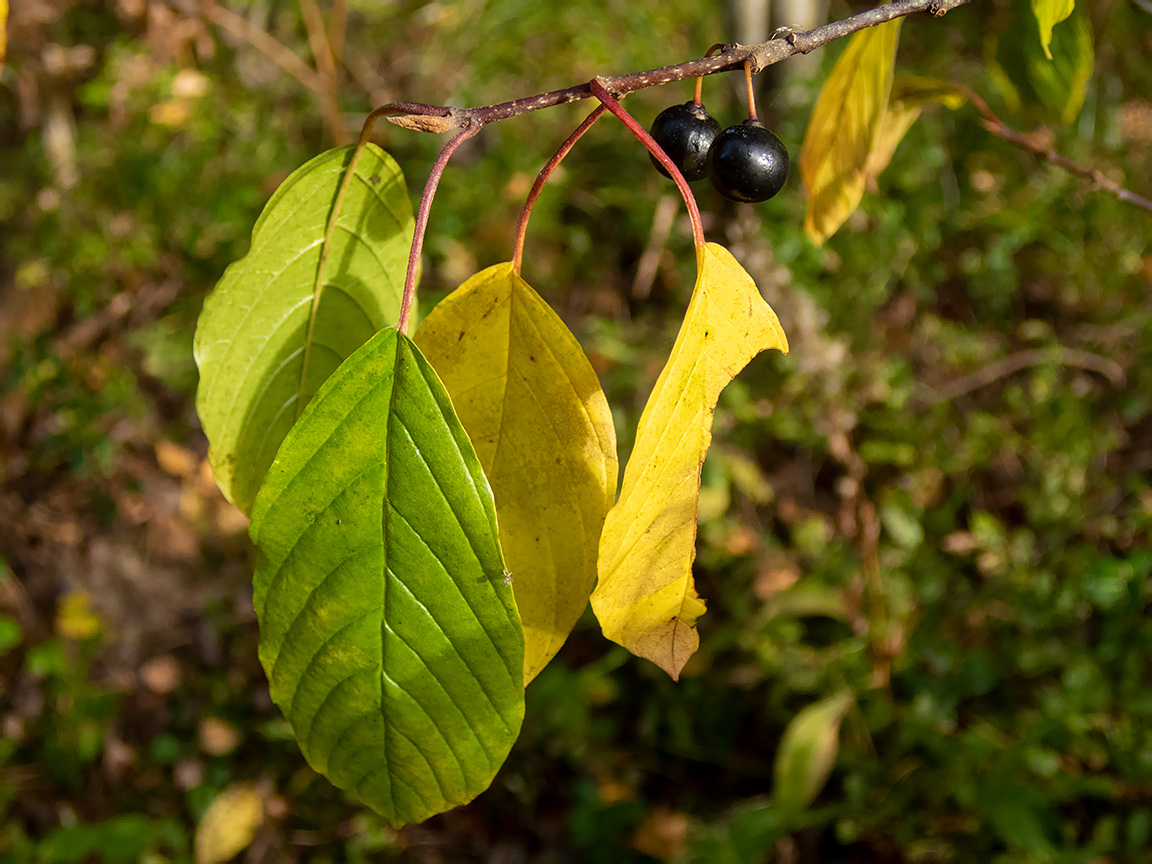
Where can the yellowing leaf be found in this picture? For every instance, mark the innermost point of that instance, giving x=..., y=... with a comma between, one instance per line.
x=910, y=93
x=843, y=129
x=808, y=751
x=1049, y=13
x=532, y=405
x=3, y=31
x=230, y=822
x=75, y=618
x=646, y=599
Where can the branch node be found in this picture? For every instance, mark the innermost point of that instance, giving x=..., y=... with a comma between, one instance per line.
x=431, y=123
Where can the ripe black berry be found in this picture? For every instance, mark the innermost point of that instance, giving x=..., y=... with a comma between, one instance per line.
x=748, y=162
x=686, y=133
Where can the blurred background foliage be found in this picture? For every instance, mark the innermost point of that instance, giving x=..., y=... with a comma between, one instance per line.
x=940, y=502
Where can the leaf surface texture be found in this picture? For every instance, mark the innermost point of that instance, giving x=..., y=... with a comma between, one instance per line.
x=253, y=334
x=388, y=635
x=646, y=598
x=541, y=425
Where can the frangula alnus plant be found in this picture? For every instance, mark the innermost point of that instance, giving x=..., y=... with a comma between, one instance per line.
x=433, y=511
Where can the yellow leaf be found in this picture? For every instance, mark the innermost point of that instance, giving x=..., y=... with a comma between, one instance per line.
x=532, y=405
x=3, y=31
x=910, y=93
x=75, y=618
x=1049, y=13
x=843, y=129
x=646, y=599
x=230, y=822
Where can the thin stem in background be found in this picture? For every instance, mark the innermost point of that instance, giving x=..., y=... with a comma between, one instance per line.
x=326, y=67
x=337, y=26
x=1093, y=175
x=606, y=98
x=542, y=178
x=422, y=222
x=242, y=28
x=1014, y=363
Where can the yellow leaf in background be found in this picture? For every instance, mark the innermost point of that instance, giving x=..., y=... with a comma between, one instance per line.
x=74, y=617
x=532, y=405
x=1049, y=13
x=3, y=31
x=910, y=93
x=843, y=129
x=646, y=599
x=230, y=823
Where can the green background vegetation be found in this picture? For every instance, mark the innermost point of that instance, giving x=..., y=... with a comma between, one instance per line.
x=995, y=631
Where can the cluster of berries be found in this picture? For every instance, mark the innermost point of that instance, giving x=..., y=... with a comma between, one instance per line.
x=745, y=162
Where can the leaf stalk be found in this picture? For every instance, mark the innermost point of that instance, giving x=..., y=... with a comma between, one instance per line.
x=434, y=175
x=542, y=178
x=609, y=102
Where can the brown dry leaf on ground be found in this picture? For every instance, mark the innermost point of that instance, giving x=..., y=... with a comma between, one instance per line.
x=663, y=834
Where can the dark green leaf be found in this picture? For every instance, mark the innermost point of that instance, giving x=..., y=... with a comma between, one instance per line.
x=389, y=636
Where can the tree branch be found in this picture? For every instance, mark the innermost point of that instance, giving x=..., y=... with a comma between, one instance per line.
x=1093, y=175
x=731, y=58
x=993, y=372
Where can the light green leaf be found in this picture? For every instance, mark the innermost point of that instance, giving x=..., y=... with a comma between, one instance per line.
x=808, y=751
x=1063, y=83
x=1049, y=13
x=541, y=425
x=1053, y=78
x=843, y=128
x=389, y=636
x=253, y=335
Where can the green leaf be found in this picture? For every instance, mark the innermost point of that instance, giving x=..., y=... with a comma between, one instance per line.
x=646, y=599
x=1053, y=78
x=541, y=425
x=253, y=335
x=389, y=636
x=1048, y=14
x=807, y=753
x=1063, y=83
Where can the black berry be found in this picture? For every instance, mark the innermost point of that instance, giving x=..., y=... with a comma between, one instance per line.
x=748, y=162
x=686, y=133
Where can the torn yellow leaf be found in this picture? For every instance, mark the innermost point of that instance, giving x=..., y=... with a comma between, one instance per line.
x=646, y=599
x=532, y=405
x=843, y=129
x=230, y=823
x=910, y=93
